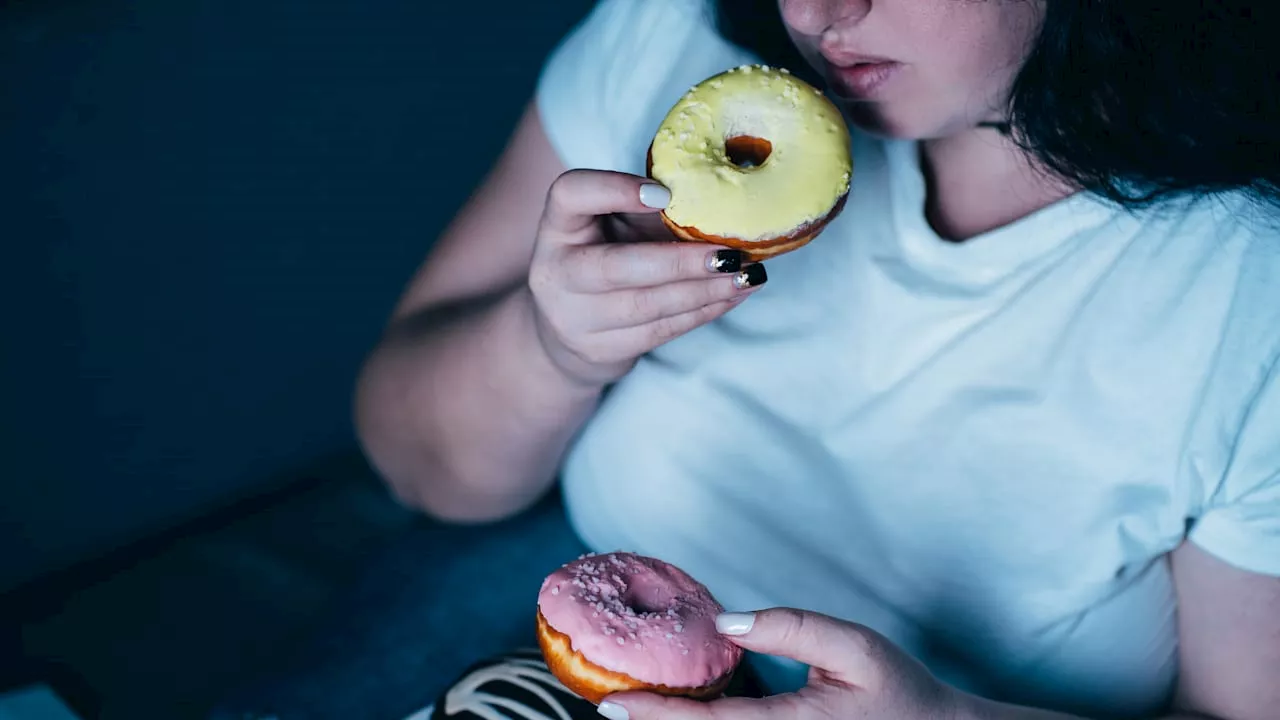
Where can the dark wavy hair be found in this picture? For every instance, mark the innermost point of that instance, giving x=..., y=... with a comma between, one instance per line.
x=1136, y=101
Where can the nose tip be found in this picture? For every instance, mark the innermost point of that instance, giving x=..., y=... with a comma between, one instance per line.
x=808, y=17
x=818, y=17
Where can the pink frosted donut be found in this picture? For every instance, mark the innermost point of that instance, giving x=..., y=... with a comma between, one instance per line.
x=617, y=622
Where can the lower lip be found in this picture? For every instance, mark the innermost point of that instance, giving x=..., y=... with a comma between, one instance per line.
x=863, y=81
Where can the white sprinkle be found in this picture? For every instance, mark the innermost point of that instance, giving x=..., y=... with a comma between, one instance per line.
x=684, y=652
x=669, y=636
x=624, y=642
x=555, y=591
x=679, y=628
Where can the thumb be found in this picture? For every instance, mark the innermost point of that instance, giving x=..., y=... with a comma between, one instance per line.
x=840, y=648
x=653, y=706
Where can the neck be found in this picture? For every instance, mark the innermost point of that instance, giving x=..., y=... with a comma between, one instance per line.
x=979, y=180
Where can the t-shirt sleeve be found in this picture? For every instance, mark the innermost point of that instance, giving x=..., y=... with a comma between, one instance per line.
x=1241, y=522
x=609, y=82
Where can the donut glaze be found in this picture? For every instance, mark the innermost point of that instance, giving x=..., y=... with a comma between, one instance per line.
x=640, y=617
x=755, y=158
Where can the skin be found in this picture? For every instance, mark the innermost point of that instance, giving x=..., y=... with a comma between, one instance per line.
x=522, y=315
x=957, y=61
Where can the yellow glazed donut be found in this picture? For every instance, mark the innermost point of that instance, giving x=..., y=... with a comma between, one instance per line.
x=755, y=159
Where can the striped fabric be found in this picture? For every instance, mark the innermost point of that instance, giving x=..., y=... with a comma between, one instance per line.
x=515, y=686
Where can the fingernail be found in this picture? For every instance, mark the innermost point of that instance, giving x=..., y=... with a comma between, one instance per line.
x=613, y=711
x=654, y=196
x=752, y=276
x=735, y=623
x=725, y=261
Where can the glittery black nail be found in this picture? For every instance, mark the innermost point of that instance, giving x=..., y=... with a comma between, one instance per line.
x=725, y=261
x=752, y=276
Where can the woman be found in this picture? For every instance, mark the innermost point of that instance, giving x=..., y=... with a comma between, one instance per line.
x=1006, y=434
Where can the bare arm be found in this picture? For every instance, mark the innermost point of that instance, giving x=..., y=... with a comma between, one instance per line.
x=458, y=407
x=524, y=312
x=487, y=247
x=1229, y=637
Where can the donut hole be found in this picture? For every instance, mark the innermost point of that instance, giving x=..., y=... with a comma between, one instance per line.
x=747, y=151
x=648, y=598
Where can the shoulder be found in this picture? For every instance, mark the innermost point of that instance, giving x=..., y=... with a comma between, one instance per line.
x=1224, y=252
x=1248, y=231
x=611, y=80
x=1235, y=459
x=1205, y=273
x=1229, y=241
x=620, y=19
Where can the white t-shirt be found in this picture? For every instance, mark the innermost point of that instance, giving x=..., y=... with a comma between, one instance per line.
x=983, y=449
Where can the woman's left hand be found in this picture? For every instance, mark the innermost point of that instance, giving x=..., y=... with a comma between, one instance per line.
x=854, y=673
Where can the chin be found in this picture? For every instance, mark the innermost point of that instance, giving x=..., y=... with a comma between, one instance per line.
x=879, y=121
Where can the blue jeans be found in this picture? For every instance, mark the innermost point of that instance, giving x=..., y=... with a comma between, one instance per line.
x=441, y=599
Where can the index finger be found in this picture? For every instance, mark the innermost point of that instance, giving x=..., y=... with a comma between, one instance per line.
x=840, y=648
x=578, y=197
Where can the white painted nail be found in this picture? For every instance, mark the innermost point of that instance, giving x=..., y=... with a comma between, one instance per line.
x=613, y=711
x=654, y=196
x=735, y=623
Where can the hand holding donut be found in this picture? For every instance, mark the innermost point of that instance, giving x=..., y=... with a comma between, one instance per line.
x=854, y=673
x=599, y=305
x=643, y=640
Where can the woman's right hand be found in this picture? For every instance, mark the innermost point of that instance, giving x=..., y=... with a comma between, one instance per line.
x=602, y=302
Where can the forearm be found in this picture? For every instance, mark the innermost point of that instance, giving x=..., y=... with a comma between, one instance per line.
x=462, y=412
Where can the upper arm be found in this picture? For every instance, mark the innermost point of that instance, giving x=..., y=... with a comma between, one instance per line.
x=1229, y=637
x=488, y=245
x=598, y=98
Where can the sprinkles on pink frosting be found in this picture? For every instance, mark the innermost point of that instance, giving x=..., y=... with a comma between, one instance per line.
x=639, y=616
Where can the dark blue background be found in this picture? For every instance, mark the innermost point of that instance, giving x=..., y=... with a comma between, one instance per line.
x=208, y=209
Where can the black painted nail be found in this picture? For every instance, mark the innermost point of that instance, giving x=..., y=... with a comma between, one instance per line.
x=752, y=276
x=725, y=261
